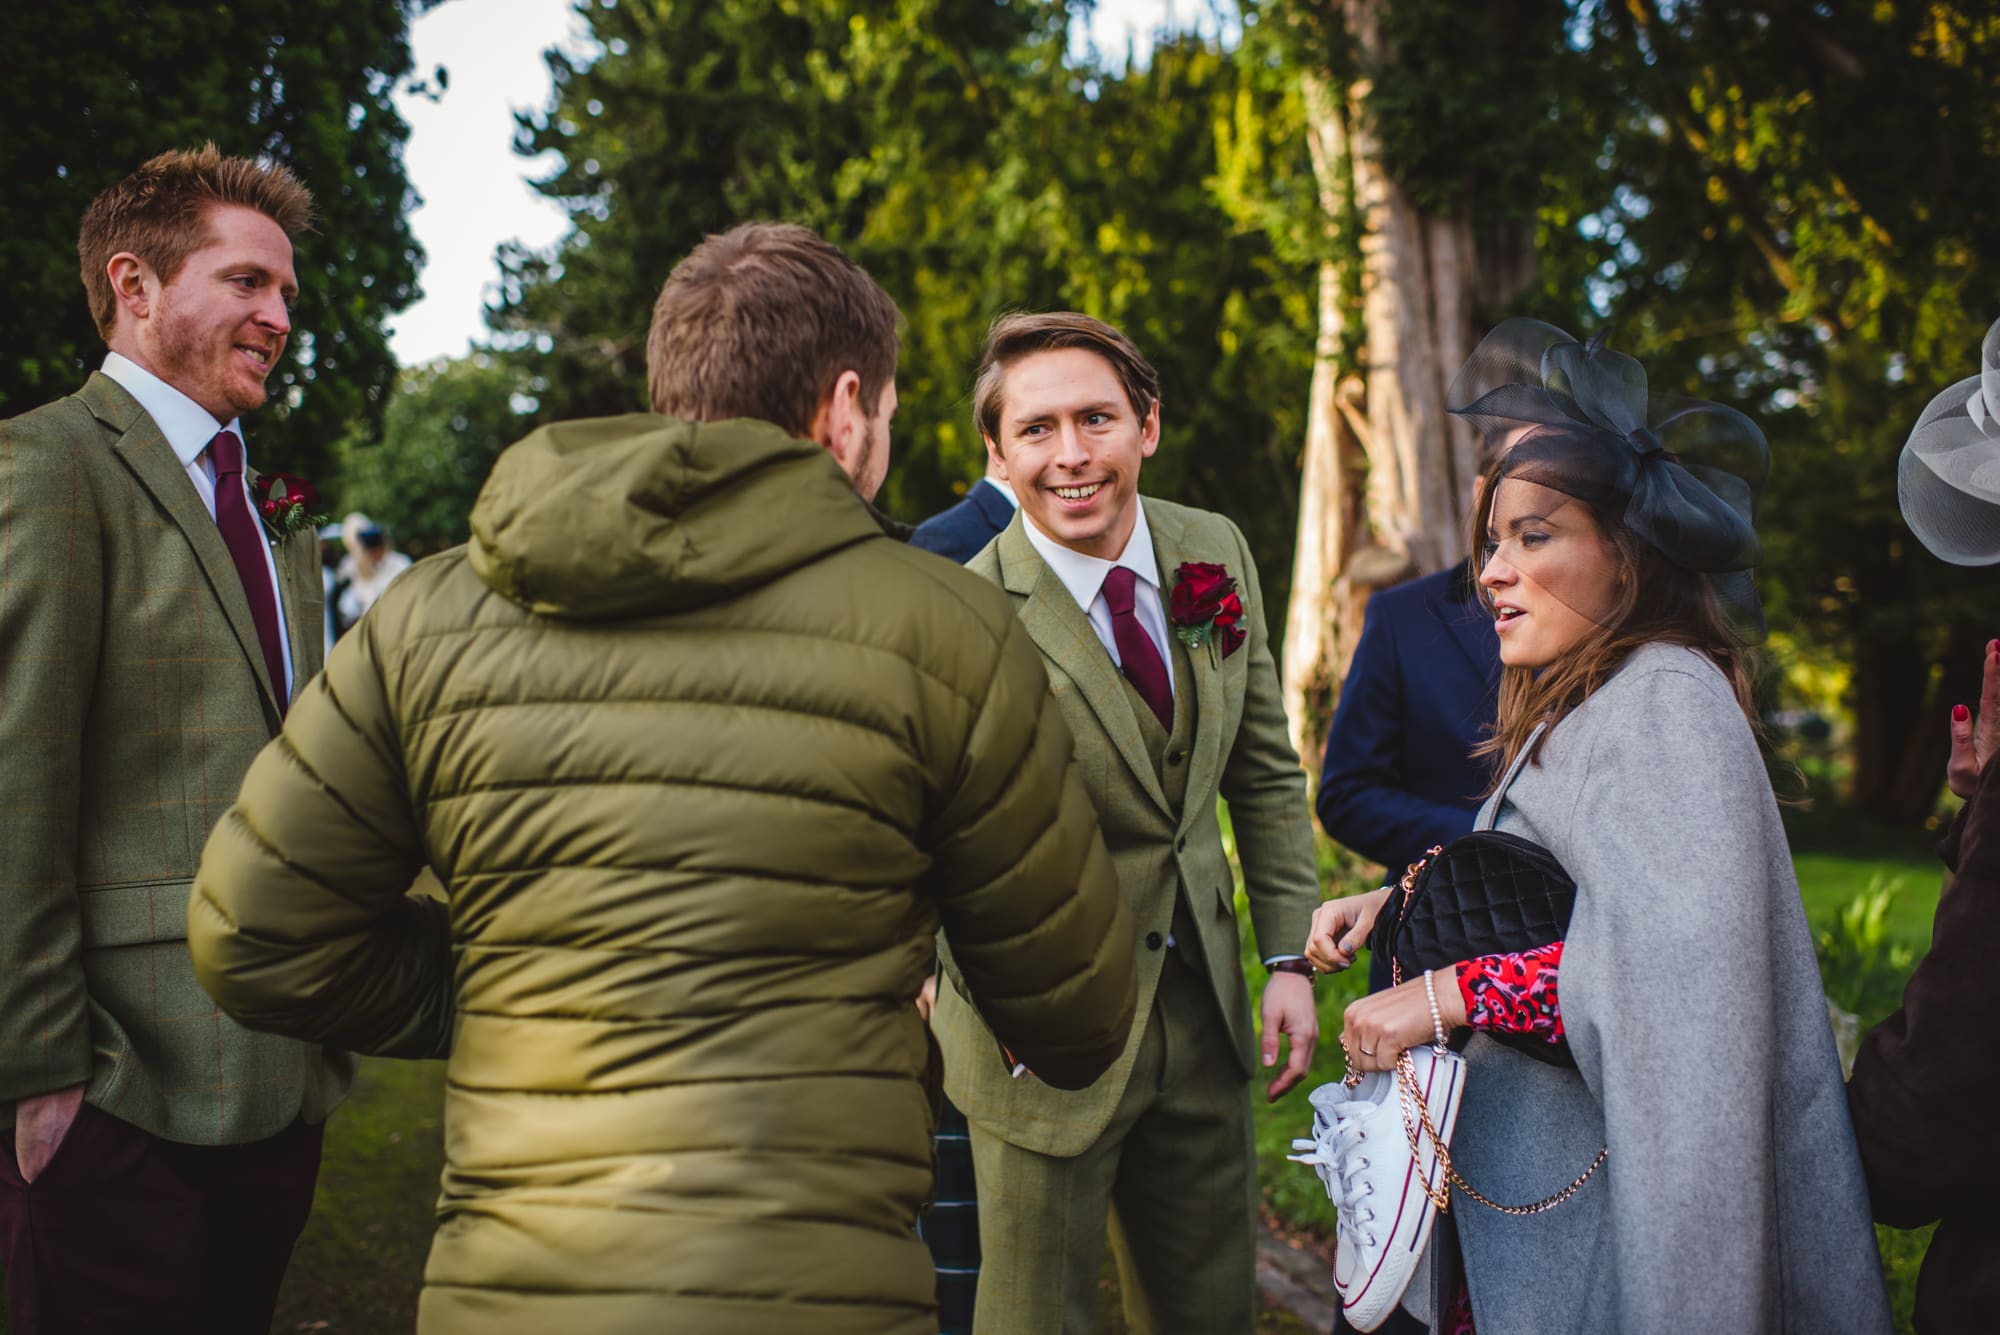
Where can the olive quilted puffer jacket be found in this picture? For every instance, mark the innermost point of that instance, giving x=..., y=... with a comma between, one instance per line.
x=703, y=760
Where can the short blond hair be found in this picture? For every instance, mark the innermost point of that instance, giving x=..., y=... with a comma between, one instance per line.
x=160, y=214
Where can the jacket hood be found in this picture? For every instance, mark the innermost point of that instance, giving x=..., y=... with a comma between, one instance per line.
x=640, y=515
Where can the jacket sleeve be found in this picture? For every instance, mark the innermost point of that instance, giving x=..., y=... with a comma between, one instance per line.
x=1363, y=803
x=1026, y=892
x=1921, y=1096
x=1265, y=787
x=301, y=921
x=51, y=597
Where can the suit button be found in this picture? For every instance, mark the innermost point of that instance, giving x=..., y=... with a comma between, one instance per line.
x=1176, y=757
x=1154, y=940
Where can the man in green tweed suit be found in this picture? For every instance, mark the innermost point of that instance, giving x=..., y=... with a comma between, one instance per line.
x=156, y=1160
x=1160, y=1148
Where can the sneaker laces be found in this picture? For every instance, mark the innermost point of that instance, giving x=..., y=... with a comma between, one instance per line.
x=1333, y=1153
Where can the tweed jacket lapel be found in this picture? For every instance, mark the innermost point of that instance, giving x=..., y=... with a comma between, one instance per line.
x=1205, y=764
x=146, y=452
x=1061, y=631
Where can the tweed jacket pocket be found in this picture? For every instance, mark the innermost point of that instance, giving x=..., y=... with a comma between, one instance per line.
x=137, y=913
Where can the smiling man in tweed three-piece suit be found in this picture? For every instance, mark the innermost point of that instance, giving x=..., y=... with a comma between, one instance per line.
x=156, y=1160
x=1160, y=1147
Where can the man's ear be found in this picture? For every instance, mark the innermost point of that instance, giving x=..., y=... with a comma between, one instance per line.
x=996, y=460
x=1149, y=431
x=839, y=425
x=134, y=286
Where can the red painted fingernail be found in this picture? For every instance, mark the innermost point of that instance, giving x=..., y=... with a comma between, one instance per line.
x=1959, y=713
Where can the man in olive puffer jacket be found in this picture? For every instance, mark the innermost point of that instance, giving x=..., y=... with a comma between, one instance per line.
x=703, y=760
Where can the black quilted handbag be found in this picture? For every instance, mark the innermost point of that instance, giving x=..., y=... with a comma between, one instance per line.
x=1483, y=894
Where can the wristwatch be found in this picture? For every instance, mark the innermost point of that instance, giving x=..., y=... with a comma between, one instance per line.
x=1300, y=965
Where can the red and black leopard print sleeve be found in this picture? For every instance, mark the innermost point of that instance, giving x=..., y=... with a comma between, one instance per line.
x=1514, y=993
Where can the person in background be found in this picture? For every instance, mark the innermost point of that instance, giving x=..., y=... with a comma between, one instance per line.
x=1926, y=1080
x=958, y=532
x=157, y=1159
x=329, y=580
x=704, y=759
x=368, y=568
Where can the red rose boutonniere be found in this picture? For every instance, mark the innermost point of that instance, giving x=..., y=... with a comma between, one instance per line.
x=1204, y=608
x=288, y=503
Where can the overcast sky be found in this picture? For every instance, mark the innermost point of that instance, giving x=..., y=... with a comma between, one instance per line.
x=461, y=159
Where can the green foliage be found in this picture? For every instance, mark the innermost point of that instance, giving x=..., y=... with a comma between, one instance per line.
x=445, y=425
x=953, y=148
x=95, y=88
x=1860, y=962
x=1791, y=209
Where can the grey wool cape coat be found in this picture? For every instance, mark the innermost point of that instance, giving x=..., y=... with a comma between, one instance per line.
x=1733, y=1198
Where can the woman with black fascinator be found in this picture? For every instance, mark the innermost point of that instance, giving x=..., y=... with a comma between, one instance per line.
x=1925, y=1081
x=1686, y=1162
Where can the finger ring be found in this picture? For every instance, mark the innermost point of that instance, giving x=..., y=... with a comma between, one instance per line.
x=1367, y=1052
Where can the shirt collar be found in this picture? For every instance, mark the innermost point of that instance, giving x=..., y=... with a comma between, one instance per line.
x=185, y=423
x=1004, y=490
x=1084, y=575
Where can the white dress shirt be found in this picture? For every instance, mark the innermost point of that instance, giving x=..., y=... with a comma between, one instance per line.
x=189, y=429
x=1084, y=576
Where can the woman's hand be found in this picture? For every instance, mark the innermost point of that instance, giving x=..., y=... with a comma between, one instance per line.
x=1377, y=1028
x=1340, y=927
x=1974, y=740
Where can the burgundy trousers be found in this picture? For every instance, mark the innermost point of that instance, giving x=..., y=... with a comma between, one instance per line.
x=126, y=1232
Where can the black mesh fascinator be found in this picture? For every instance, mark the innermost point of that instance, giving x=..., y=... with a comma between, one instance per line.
x=1949, y=477
x=1684, y=474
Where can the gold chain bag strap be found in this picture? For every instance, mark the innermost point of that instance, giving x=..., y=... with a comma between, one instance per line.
x=1417, y=1114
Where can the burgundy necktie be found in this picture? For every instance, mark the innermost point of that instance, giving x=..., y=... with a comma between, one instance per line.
x=1137, y=654
x=244, y=537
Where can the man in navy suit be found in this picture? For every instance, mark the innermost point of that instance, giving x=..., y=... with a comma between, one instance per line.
x=1422, y=692
x=962, y=531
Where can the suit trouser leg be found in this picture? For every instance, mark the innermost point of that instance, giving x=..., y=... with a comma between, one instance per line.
x=1042, y=1219
x=1173, y=1175
x=124, y=1231
x=1184, y=1204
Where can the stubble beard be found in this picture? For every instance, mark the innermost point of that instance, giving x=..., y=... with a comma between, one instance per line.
x=201, y=371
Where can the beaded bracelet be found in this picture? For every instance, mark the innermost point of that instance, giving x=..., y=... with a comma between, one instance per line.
x=1437, y=1019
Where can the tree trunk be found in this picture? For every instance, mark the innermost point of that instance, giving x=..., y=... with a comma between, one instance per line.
x=1422, y=278
x=1323, y=616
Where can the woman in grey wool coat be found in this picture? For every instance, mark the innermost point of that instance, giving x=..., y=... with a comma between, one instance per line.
x=1618, y=548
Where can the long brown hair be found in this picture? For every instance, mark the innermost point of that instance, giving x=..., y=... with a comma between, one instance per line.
x=1657, y=602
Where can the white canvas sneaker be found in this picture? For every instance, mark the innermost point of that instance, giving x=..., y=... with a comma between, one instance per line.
x=1361, y=1151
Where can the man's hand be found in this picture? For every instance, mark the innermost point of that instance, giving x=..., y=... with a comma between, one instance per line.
x=927, y=997
x=1974, y=740
x=1377, y=1028
x=1288, y=1010
x=40, y=1123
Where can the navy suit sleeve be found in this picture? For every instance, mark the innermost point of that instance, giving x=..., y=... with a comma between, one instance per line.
x=962, y=532
x=936, y=535
x=1364, y=802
